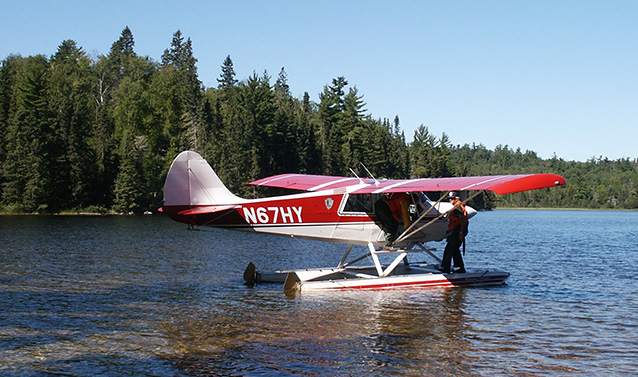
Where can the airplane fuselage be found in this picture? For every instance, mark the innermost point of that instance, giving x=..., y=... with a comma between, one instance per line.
x=350, y=210
x=324, y=215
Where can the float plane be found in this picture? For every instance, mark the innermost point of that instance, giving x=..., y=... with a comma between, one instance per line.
x=341, y=209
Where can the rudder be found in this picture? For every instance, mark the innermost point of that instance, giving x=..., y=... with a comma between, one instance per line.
x=192, y=182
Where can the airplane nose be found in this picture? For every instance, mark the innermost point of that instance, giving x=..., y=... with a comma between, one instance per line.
x=470, y=211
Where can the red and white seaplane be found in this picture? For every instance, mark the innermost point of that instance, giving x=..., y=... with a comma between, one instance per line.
x=340, y=209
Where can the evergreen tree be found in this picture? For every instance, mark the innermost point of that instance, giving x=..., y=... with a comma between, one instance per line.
x=172, y=55
x=282, y=90
x=283, y=135
x=331, y=129
x=121, y=64
x=353, y=108
x=357, y=143
x=399, y=153
x=8, y=74
x=212, y=122
x=442, y=164
x=72, y=160
x=227, y=79
x=308, y=149
x=128, y=191
x=27, y=185
x=180, y=62
x=260, y=133
x=62, y=120
x=422, y=153
x=121, y=51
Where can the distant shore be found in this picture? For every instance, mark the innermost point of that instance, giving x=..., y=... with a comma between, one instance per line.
x=563, y=209
x=78, y=214
x=148, y=213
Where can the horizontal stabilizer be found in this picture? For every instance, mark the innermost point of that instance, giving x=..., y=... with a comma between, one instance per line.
x=202, y=210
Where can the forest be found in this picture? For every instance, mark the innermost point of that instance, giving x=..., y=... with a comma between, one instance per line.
x=81, y=134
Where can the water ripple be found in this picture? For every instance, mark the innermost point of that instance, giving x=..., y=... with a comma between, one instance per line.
x=143, y=296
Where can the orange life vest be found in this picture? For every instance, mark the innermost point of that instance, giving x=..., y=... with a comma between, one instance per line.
x=398, y=204
x=454, y=219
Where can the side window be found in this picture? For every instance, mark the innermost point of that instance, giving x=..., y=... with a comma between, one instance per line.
x=359, y=204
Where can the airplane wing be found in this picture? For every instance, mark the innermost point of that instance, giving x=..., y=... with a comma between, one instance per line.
x=500, y=184
x=306, y=182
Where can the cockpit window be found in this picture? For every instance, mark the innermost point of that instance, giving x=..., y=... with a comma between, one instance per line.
x=359, y=203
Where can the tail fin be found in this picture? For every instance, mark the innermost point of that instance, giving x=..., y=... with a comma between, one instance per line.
x=192, y=182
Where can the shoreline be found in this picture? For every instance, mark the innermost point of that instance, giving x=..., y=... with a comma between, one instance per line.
x=563, y=209
x=149, y=213
x=77, y=214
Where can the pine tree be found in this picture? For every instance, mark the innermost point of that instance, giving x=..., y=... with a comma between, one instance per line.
x=443, y=166
x=227, y=79
x=398, y=155
x=61, y=120
x=120, y=65
x=284, y=135
x=26, y=168
x=126, y=42
x=171, y=56
x=353, y=108
x=282, y=90
x=331, y=136
x=308, y=149
x=179, y=62
x=128, y=184
x=121, y=51
x=72, y=160
x=256, y=102
x=8, y=74
x=357, y=143
x=422, y=153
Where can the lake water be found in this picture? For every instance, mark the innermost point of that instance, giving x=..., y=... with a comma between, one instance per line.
x=111, y=296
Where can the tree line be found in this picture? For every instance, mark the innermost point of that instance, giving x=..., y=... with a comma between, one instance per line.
x=99, y=135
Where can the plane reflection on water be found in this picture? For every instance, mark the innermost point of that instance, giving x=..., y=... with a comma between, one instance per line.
x=362, y=332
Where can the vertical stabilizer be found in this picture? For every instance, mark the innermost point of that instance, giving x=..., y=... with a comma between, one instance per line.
x=192, y=182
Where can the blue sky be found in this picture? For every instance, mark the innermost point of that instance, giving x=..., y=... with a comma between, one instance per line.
x=554, y=77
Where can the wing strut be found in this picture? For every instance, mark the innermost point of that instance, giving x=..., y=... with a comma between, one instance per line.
x=405, y=234
x=402, y=236
x=345, y=256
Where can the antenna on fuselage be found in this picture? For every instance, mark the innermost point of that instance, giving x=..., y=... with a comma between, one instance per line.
x=368, y=171
x=355, y=174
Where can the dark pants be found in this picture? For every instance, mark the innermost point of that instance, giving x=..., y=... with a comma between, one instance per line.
x=452, y=251
x=389, y=225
